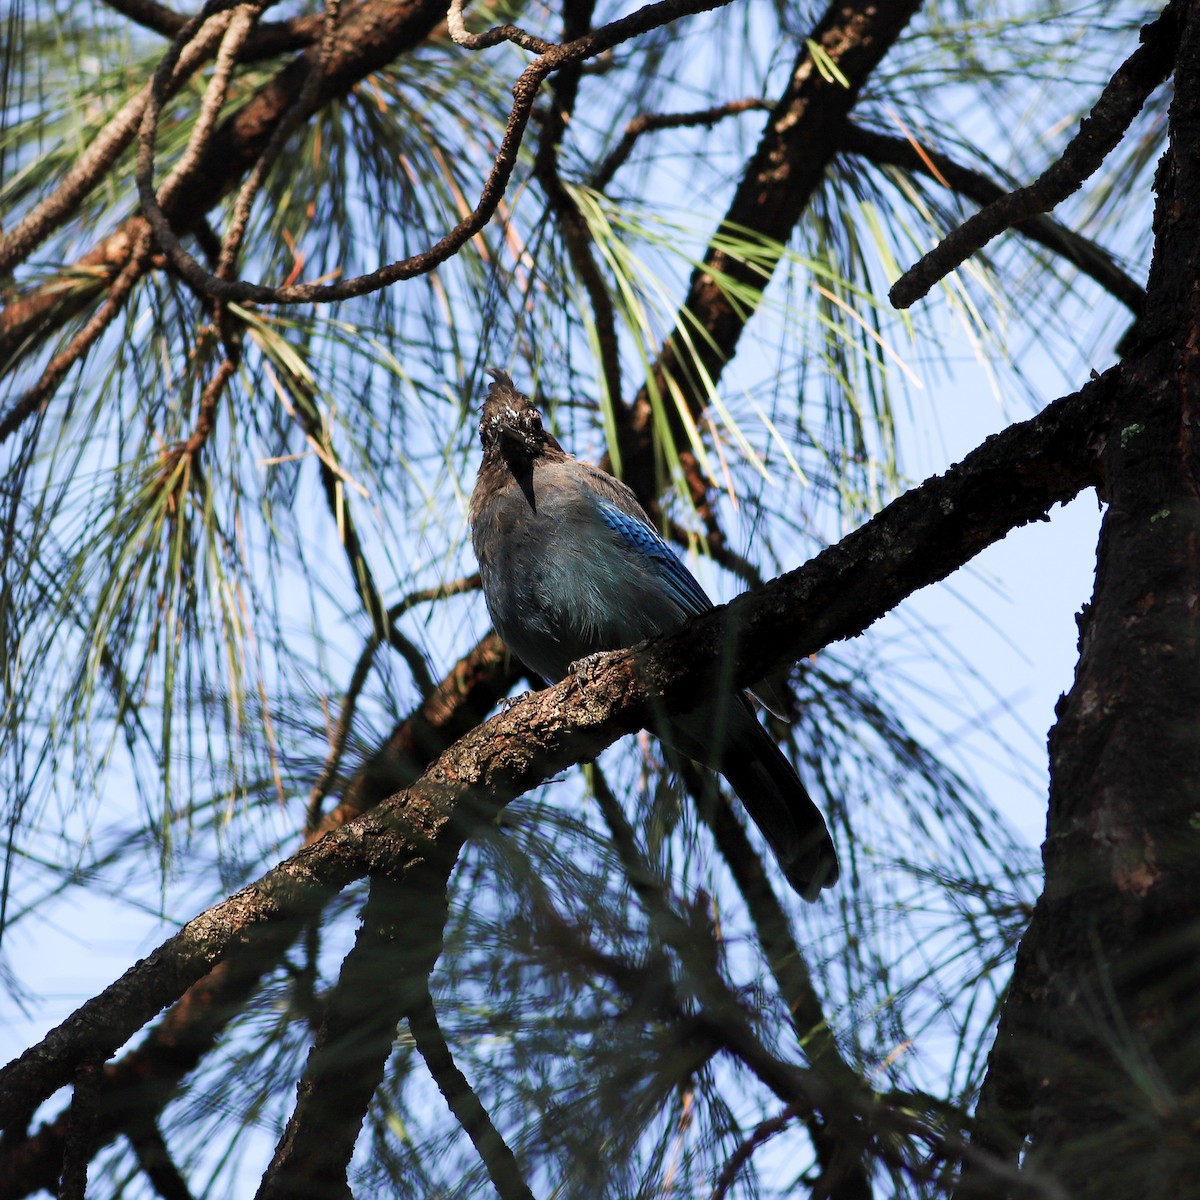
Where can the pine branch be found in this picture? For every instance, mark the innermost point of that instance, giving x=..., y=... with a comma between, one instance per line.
x=1099, y=133
x=1093, y=260
x=525, y=91
x=1013, y=478
x=801, y=137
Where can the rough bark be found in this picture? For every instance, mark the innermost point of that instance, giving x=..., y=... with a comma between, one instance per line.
x=1097, y=1058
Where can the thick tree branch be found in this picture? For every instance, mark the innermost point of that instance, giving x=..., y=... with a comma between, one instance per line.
x=383, y=977
x=1099, y=133
x=136, y=1088
x=1013, y=478
x=1094, y=1068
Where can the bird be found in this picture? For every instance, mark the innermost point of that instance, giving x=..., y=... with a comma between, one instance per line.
x=570, y=565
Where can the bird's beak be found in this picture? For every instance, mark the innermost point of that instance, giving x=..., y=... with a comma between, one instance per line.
x=513, y=438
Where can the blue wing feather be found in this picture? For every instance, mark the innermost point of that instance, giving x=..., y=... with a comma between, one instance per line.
x=642, y=540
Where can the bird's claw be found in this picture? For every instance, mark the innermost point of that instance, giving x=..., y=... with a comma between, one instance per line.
x=584, y=668
x=507, y=702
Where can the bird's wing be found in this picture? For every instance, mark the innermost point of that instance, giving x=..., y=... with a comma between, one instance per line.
x=641, y=539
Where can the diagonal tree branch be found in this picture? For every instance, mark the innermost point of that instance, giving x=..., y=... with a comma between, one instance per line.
x=136, y=1088
x=800, y=139
x=384, y=976
x=1093, y=260
x=918, y=539
x=1122, y=99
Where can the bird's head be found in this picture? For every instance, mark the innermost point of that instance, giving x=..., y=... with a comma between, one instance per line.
x=510, y=423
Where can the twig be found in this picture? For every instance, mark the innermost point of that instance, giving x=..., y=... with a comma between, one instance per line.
x=763, y=1132
x=362, y=669
x=154, y=1158
x=1093, y=260
x=491, y=37
x=77, y=1148
x=650, y=122
x=1099, y=133
x=236, y=231
x=118, y=292
x=793, y=1085
x=499, y=1160
x=241, y=22
x=525, y=92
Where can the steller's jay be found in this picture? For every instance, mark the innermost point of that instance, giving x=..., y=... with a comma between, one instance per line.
x=571, y=565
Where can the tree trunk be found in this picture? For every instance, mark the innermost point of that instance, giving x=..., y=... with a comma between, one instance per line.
x=1097, y=1060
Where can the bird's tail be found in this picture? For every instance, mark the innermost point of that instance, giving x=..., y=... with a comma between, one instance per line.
x=768, y=787
x=779, y=804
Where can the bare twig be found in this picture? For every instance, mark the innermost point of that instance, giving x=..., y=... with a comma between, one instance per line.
x=35, y=399
x=763, y=1132
x=499, y=1160
x=1093, y=260
x=493, y=36
x=650, y=122
x=236, y=231
x=241, y=22
x=1099, y=133
x=525, y=92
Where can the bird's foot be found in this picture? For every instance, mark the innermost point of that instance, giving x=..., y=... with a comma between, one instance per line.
x=507, y=702
x=584, y=668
